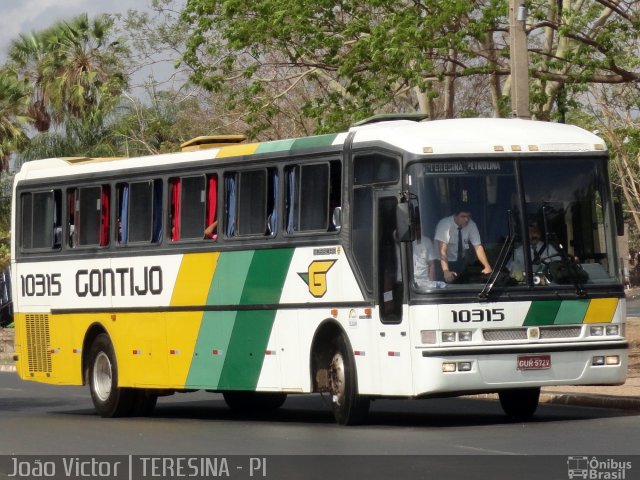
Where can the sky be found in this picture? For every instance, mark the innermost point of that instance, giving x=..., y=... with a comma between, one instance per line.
x=26, y=16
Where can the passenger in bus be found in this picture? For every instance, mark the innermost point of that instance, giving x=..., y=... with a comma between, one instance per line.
x=539, y=250
x=455, y=235
x=424, y=258
x=212, y=230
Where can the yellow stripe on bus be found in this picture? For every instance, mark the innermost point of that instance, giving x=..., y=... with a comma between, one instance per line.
x=194, y=279
x=191, y=288
x=238, y=150
x=601, y=310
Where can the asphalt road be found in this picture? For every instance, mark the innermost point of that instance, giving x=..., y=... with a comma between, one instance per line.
x=37, y=419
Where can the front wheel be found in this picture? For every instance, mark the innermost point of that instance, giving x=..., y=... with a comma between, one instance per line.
x=520, y=403
x=109, y=400
x=349, y=408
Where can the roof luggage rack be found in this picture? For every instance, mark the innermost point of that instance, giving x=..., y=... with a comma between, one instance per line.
x=211, y=141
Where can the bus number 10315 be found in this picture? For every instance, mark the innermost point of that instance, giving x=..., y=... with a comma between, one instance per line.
x=478, y=315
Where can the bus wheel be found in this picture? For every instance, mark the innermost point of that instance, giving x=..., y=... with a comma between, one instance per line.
x=520, y=403
x=254, y=402
x=349, y=408
x=109, y=400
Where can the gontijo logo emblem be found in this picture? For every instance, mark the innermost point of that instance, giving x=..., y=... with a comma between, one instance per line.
x=316, y=276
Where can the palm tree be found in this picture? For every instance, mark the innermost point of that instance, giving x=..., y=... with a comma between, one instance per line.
x=26, y=54
x=84, y=70
x=15, y=96
x=74, y=68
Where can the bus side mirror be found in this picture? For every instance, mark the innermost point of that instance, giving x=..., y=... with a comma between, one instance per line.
x=617, y=207
x=404, y=223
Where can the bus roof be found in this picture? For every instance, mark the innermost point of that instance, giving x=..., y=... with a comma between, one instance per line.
x=436, y=137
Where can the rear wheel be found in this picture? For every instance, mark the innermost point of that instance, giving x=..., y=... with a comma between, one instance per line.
x=349, y=408
x=520, y=403
x=109, y=400
x=254, y=402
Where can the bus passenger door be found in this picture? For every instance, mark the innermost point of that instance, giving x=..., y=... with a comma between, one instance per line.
x=394, y=344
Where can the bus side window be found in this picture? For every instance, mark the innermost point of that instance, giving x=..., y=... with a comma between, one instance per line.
x=313, y=192
x=41, y=220
x=251, y=202
x=139, y=212
x=192, y=207
x=90, y=216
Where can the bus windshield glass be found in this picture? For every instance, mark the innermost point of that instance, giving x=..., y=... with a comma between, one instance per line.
x=471, y=218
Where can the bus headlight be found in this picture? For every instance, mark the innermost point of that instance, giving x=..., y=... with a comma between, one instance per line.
x=448, y=367
x=612, y=360
x=612, y=329
x=596, y=331
x=464, y=366
x=465, y=336
x=448, y=336
x=428, y=336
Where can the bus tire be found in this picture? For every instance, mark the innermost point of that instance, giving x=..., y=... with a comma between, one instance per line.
x=520, y=403
x=109, y=400
x=254, y=402
x=349, y=408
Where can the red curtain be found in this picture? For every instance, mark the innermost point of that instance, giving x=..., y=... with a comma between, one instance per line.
x=212, y=197
x=104, y=219
x=175, y=209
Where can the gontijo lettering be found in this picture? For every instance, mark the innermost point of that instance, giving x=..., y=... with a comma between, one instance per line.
x=121, y=281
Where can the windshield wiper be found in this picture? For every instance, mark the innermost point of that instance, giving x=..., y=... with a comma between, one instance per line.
x=507, y=246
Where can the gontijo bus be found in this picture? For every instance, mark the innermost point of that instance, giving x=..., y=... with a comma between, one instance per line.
x=306, y=279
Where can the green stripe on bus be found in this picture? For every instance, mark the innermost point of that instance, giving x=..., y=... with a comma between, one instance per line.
x=542, y=313
x=314, y=142
x=572, y=311
x=252, y=329
x=214, y=336
x=275, y=146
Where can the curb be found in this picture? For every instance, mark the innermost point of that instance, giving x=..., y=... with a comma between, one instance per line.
x=616, y=402
x=591, y=400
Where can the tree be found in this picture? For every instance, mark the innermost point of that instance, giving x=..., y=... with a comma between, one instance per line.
x=75, y=69
x=351, y=58
x=14, y=101
x=577, y=44
x=355, y=58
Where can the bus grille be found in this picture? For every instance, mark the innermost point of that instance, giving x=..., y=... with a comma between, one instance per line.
x=38, y=341
x=560, y=332
x=506, y=334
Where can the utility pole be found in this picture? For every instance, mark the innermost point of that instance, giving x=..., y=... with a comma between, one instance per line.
x=519, y=59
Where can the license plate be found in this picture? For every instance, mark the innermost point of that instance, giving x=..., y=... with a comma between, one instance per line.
x=534, y=362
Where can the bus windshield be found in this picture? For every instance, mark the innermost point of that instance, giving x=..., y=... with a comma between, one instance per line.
x=471, y=218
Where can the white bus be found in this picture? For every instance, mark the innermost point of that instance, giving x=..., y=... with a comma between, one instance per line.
x=317, y=265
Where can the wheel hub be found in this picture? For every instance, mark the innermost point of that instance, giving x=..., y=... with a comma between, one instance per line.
x=102, y=376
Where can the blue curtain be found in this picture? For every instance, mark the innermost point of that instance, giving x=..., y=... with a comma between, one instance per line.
x=273, y=223
x=124, y=215
x=230, y=183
